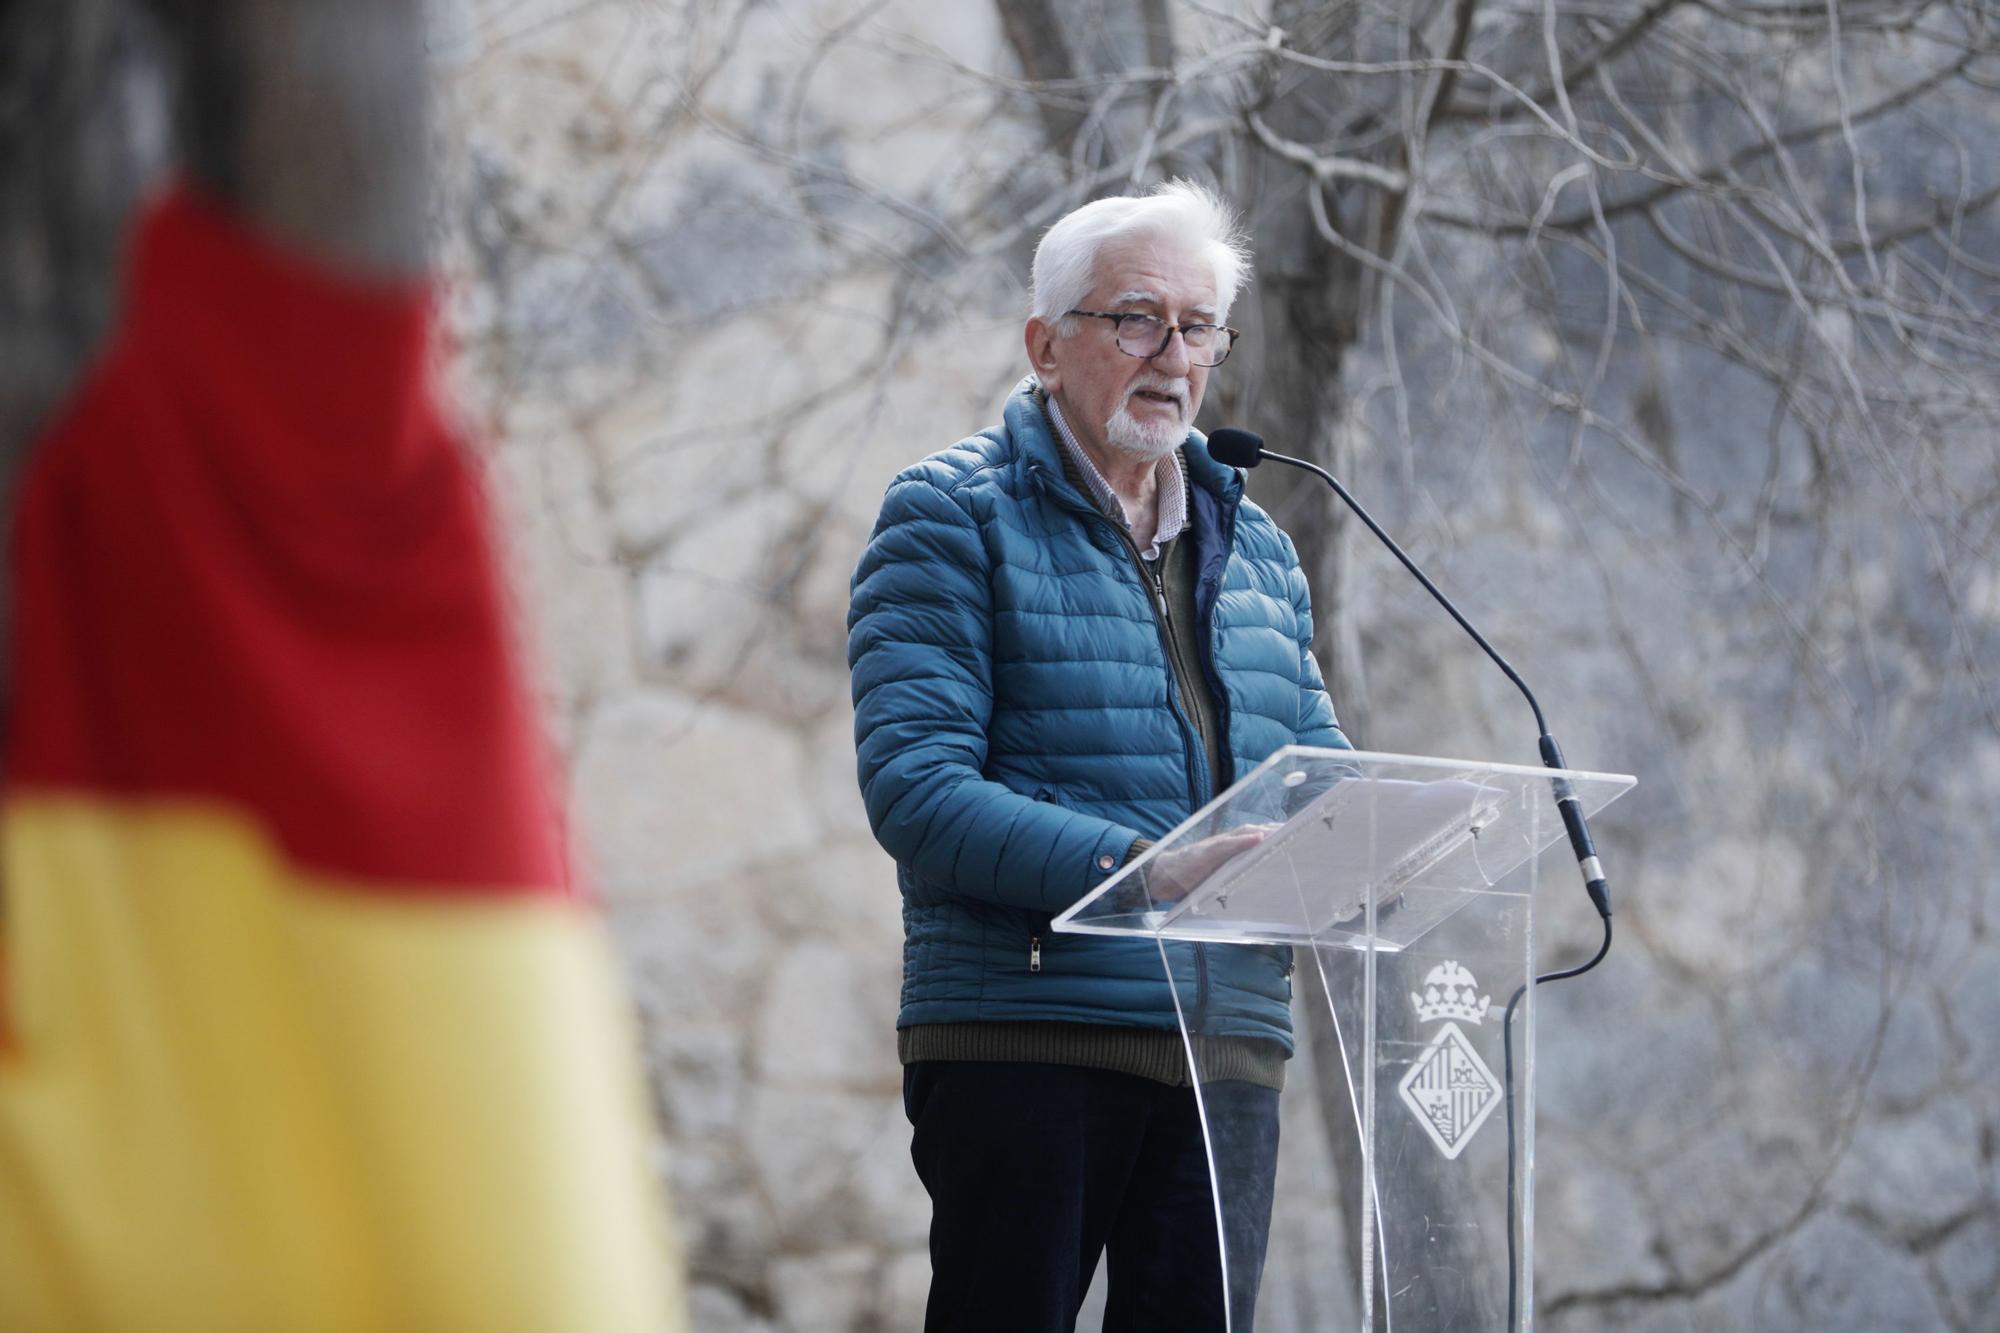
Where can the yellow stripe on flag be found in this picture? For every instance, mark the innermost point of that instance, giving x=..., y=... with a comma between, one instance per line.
x=237, y=1097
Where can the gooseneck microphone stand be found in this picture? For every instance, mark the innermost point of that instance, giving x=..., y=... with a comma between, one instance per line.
x=1244, y=449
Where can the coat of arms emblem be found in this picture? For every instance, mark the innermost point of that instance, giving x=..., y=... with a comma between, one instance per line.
x=1449, y=1088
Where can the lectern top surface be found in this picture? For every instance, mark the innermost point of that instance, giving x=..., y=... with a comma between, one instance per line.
x=1342, y=847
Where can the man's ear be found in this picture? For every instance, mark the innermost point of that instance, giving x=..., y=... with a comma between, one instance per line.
x=1040, y=339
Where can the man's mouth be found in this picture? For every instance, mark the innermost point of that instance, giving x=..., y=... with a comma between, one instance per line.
x=1157, y=396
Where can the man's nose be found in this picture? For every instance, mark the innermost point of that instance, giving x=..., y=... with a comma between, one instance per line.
x=1173, y=358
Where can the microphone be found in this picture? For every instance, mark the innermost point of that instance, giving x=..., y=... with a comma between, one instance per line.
x=1236, y=448
x=1245, y=449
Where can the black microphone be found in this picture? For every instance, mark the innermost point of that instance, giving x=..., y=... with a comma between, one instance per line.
x=1236, y=448
x=1245, y=449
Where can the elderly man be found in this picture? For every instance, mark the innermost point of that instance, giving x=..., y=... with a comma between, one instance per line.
x=1068, y=632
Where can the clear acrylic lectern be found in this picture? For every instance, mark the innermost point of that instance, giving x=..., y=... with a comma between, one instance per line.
x=1405, y=889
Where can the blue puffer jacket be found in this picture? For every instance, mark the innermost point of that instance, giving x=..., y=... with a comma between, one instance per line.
x=1016, y=731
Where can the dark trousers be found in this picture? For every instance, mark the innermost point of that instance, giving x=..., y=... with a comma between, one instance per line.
x=1035, y=1170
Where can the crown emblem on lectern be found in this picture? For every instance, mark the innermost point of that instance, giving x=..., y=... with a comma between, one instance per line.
x=1449, y=1088
x=1451, y=992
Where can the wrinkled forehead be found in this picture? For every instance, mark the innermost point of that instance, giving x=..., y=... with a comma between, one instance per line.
x=1145, y=270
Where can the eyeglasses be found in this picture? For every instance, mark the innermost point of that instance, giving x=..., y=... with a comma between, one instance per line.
x=1146, y=336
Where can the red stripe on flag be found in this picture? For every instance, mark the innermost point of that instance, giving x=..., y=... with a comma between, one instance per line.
x=251, y=564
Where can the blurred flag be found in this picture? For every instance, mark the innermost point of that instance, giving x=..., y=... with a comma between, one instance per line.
x=300, y=1026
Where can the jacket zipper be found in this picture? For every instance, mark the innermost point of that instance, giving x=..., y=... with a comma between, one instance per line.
x=1190, y=740
x=1205, y=644
x=1160, y=594
x=1196, y=788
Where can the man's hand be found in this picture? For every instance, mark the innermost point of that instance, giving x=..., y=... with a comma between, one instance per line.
x=1175, y=874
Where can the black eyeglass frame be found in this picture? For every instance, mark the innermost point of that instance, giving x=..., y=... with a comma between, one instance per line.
x=1119, y=318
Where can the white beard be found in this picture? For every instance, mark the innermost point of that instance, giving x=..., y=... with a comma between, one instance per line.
x=1144, y=439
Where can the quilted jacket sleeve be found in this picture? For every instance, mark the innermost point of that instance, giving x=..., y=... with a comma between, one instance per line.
x=1317, y=725
x=920, y=629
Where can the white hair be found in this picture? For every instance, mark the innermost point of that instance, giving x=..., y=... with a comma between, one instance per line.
x=1180, y=210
